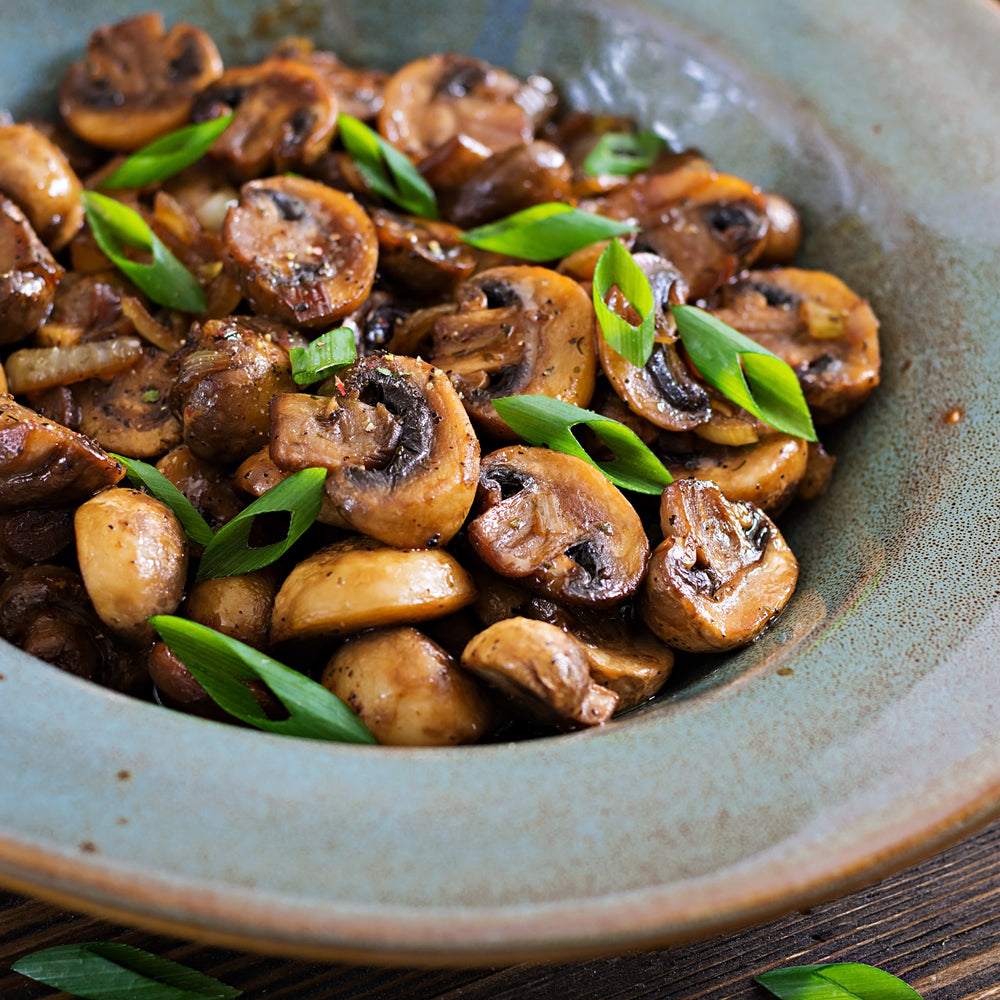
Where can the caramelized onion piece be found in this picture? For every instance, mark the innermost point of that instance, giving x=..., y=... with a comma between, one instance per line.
x=721, y=574
x=137, y=82
x=306, y=253
x=32, y=368
x=554, y=523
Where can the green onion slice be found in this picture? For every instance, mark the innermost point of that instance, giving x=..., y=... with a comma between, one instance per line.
x=617, y=267
x=542, y=420
x=623, y=154
x=743, y=371
x=386, y=170
x=836, y=981
x=323, y=356
x=222, y=664
x=165, y=280
x=230, y=554
x=546, y=232
x=104, y=970
x=168, y=155
x=194, y=525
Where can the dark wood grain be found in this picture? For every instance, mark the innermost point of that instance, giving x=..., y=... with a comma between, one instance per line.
x=936, y=925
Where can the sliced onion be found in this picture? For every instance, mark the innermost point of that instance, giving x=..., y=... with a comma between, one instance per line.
x=34, y=368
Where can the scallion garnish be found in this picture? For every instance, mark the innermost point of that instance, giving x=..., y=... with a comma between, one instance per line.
x=106, y=970
x=616, y=267
x=323, y=356
x=542, y=420
x=835, y=981
x=623, y=154
x=194, y=525
x=222, y=665
x=545, y=232
x=230, y=553
x=743, y=371
x=386, y=170
x=168, y=155
x=165, y=280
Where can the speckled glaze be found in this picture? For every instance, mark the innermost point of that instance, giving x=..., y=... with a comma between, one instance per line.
x=857, y=735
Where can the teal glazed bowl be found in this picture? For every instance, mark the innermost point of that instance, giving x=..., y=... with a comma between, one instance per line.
x=859, y=734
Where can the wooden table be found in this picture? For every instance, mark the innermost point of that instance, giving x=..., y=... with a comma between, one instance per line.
x=936, y=925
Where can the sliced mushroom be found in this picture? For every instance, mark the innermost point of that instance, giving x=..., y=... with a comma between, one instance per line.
x=408, y=690
x=237, y=606
x=766, y=474
x=226, y=377
x=554, y=523
x=137, y=82
x=721, y=574
x=431, y=100
x=360, y=583
x=543, y=670
x=33, y=536
x=306, y=254
x=133, y=557
x=517, y=329
x=813, y=321
x=402, y=457
x=784, y=232
x=44, y=464
x=663, y=391
x=285, y=117
x=819, y=469
x=209, y=488
x=37, y=176
x=29, y=275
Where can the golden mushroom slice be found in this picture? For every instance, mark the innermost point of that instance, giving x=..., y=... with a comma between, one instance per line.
x=721, y=574
x=555, y=524
x=408, y=690
x=517, y=329
x=431, y=100
x=812, y=320
x=401, y=455
x=359, y=583
x=35, y=173
x=137, y=82
x=284, y=117
x=542, y=670
x=306, y=254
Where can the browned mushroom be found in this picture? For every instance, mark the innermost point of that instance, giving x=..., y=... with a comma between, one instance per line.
x=431, y=100
x=403, y=460
x=237, y=606
x=133, y=557
x=33, y=536
x=28, y=275
x=408, y=690
x=554, y=523
x=226, y=377
x=813, y=321
x=306, y=253
x=784, y=232
x=542, y=670
x=208, y=486
x=37, y=176
x=137, y=82
x=360, y=583
x=721, y=574
x=45, y=464
x=517, y=329
x=285, y=117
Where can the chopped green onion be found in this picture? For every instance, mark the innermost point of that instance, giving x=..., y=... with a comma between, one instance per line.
x=168, y=155
x=230, y=554
x=743, y=371
x=386, y=170
x=165, y=280
x=542, y=420
x=616, y=267
x=623, y=154
x=222, y=664
x=835, y=981
x=104, y=970
x=163, y=489
x=323, y=356
x=546, y=232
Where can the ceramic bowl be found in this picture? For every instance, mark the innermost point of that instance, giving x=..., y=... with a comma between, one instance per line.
x=859, y=734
